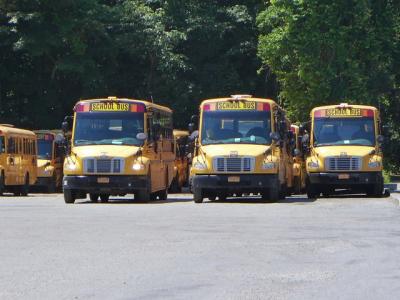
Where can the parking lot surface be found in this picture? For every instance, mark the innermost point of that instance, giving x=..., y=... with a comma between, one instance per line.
x=331, y=248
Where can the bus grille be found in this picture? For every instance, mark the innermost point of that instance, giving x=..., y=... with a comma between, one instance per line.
x=103, y=165
x=234, y=164
x=343, y=163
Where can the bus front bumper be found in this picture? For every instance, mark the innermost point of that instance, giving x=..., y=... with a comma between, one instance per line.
x=235, y=182
x=113, y=184
x=345, y=179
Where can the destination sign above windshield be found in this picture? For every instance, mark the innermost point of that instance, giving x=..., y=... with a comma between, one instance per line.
x=109, y=107
x=343, y=112
x=236, y=105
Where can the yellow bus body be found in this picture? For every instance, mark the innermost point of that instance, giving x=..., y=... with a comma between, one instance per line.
x=356, y=163
x=239, y=167
x=50, y=164
x=181, y=164
x=18, y=169
x=299, y=163
x=115, y=168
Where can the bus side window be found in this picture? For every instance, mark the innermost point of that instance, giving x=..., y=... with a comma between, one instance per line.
x=11, y=146
x=2, y=145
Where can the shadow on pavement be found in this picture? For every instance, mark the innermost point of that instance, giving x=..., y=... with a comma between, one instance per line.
x=131, y=200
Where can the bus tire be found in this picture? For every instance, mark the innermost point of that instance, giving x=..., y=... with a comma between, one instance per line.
x=2, y=183
x=375, y=190
x=163, y=195
x=312, y=192
x=25, y=187
x=197, y=195
x=104, y=198
x=69, y=196
x=175, y=188
x=53, y=185
x=142, y=196
x=93, y=197
x=271, y=195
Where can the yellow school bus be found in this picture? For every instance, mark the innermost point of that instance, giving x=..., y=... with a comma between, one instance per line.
x=50, y=160
x=18, y=167
x=299, y=163
x=119, y=146
x=181, y=169
x=242, y=146
x=345, y=150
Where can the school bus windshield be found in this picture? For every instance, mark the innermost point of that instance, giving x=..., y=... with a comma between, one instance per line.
x=108, y=128
x=344, y=131
x=44, y=149
x=236, y=127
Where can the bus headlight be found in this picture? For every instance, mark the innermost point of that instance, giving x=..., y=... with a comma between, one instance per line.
x=313, y=164
x=268, y=165
x=374, y=164
x=199, y=165
x=138, y=166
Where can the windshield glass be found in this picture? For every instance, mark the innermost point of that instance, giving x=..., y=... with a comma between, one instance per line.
x=344, y=131
x=108, y=128
x=45, y=149
x=236, y=127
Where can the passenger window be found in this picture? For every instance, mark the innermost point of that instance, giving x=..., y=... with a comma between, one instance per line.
x=2, y=145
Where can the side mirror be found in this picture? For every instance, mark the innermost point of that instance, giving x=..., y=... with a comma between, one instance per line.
x=380, y=139
x=275, y=137
x=194, y=135
x=194, y=119
x=385, y=130
x=141, y=136
x=191, y=128
x=65, y=126
x=296, y=153
x=301, y=129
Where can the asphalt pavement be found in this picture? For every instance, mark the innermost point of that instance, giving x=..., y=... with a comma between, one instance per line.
x=331, y=248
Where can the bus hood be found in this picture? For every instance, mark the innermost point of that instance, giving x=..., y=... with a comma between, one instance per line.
x=361, y=151
x=105, y=151
x=235, y=149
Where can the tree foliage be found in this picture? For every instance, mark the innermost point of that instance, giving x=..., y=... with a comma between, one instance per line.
x=327, y=52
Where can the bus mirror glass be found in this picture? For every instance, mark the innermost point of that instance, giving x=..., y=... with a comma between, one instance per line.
x=194, y=119
x=65, y=126
x=275, y=137
x=191, y=128
x=194, y=135
x=141, y=136
x=380, y=139
x=385, y=130
x=296, y=153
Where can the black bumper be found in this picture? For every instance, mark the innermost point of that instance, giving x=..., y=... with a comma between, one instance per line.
x=116, y=185
x=355, y=179
x=247, y=183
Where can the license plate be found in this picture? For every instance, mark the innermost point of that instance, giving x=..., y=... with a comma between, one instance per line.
x=103, y=180
x=344, y=176
x=233, y=179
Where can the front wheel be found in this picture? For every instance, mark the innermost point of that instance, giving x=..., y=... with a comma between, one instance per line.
x=312, y=192
x=104, y=198
x=93, y=197
x=142, y=196
x=2, y=184
x=197, y=195
x=375, y=190
x=69, y=196
x=25, y=187
x=271, y=195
